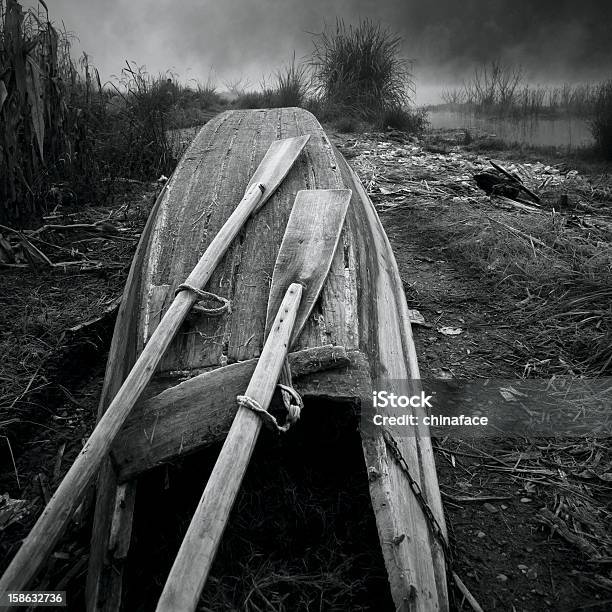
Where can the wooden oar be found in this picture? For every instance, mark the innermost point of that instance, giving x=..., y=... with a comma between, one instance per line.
x=35, y=549
x=303, y=262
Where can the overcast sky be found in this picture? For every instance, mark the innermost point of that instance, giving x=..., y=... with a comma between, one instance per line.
x=554, y=40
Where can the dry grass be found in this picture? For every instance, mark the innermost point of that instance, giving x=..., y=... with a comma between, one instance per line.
x=562, y=271
x=289, y=86
x=359, y=71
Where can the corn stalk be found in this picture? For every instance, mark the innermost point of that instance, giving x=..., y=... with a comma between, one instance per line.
x=32, y=108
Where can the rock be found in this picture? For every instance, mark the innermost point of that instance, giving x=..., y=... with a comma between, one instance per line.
x=525, y=500
x=490, y=508
x=502, y=578
x=481, y=534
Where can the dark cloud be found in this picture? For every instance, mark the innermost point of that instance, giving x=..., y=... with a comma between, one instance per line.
x=552, y=39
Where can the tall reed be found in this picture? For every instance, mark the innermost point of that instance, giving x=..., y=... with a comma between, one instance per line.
x=501, y=89
x=358, y=70
x=601, y=124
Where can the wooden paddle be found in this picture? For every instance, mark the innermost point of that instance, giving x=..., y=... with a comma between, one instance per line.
x=302, y=265
x=35, y=549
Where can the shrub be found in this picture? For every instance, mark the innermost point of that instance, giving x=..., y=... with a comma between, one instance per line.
x=601, y=124
x=137, y=146
x=255, y=99
x=346, y=124
x=404, y=120
x=289, y=88
x=291, y=85
x=33, y=115
x=498, y=89
x=357, y=70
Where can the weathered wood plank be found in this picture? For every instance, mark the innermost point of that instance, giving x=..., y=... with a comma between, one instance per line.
x=103, y=583
x=199, y=411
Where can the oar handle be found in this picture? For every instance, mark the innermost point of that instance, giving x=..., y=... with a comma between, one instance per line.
x=48, y=529
x=192, y=564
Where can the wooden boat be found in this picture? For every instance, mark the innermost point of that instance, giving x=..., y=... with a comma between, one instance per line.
x=362, y=312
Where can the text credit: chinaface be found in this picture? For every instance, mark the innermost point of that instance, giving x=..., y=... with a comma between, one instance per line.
x=385, y=400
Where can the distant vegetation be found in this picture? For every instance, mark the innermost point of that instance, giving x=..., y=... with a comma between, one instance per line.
x=499, y=89
x=601, y=122
x=288, y=87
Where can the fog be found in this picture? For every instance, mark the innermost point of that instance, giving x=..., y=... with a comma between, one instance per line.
x=554, y=41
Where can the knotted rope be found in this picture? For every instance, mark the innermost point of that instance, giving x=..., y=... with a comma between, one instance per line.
x=226, y=305
x=294, y=408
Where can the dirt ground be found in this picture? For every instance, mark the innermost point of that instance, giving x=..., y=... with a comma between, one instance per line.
x=529, y=520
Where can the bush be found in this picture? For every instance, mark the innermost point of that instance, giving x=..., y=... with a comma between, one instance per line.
x=357, y=70
x=601, y=124
x=137, y=146
x=291, y=85
x=33, y=116
x=404, y=120
x=255, y=99
x=289, y=88
x=346, y=125
x=498, y=89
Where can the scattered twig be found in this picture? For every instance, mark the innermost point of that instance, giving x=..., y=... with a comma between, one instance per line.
x=58, y=463
x=465, y=592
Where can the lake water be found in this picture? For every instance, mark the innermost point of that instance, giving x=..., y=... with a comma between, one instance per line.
x=563, y=132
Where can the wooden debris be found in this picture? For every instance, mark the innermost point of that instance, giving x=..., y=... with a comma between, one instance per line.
x=465, y=592
x=516, y=180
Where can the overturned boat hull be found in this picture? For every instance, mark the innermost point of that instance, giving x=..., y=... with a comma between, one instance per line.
x=361, y=314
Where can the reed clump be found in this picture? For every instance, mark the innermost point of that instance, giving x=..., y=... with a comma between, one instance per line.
x=601, y=123
x=289, y=86
x=358, y=71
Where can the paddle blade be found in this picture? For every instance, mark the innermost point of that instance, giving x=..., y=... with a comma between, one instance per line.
x=276, y=164
x=307, y=249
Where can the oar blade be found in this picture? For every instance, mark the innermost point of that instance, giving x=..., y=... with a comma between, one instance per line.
x=307, y=250
x=275, y=165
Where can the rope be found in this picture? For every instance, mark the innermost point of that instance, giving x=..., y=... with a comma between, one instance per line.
x=206, y=295
x=293, y=409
